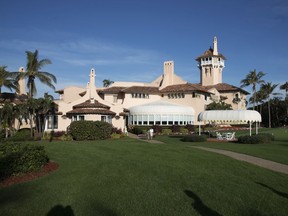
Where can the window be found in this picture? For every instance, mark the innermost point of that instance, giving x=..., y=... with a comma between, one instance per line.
x=114, y=98
x=52, y=122
x=78, y=118
x=140, y=95
x=107, y=119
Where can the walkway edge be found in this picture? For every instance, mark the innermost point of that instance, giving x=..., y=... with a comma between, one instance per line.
x=271, y=165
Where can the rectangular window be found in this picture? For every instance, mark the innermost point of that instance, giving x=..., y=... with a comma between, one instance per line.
x=52, y=122
x=114, y=98
x=81, y=118
x=103, y=118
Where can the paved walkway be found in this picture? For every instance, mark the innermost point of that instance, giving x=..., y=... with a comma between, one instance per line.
x=282, y=168
x=144, y=139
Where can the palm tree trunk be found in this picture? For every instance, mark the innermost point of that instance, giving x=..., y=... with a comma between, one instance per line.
x=31, y=124
x=269, y=113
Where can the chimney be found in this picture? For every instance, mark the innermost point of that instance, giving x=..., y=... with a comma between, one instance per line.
x=21, y=83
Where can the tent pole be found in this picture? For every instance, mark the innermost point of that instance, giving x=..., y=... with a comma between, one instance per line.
x=199, y=129
x=250, y=127
x=256, y=127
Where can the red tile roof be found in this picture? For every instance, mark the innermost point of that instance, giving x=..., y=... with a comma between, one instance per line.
x=141, y=89
x=187, y=87
x=91, y=104
x=90, y=111
x=224, y=87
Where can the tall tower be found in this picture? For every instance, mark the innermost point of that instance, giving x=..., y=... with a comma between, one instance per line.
x=211, y=65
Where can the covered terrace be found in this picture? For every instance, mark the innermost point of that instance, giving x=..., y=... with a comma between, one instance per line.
x=231, y=117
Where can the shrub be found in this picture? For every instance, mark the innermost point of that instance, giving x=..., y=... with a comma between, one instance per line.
x=57, y=134
x=166, y=131
x=90, y=130
x=22, y=135
x=66, y=137
x=194, y=138
x=116, y=136
x=191, y=128
x=256, y=139
x=116, y=130
x=18, y=158
x=136, y=130
x=184, y=130
x=157, y=129
x=175, y=128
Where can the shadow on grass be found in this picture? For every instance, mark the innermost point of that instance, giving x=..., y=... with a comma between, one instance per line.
x=285, y=195
x=61, y=211
x=199, y=206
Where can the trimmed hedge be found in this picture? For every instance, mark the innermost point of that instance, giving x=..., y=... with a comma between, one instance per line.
x=256, y=139
x=16, y=158
x=90, y=130
x=194, y=138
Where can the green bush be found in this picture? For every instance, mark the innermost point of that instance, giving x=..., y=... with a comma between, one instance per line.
x=90, y=130
x=166, y=131
x=256, y=139
x=66, y=137
x=194, y=138
x=18, y=158
x=116, y=136
x=175, y=128
x=22, y=135
x=184, y=130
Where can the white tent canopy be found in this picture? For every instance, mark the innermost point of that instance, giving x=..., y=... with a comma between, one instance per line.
x=231, y=117
x=162, y=113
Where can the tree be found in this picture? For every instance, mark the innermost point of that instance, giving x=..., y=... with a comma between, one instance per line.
x=107, y=82
x=285, y=87
x=253, y=78
x=6, y=117
x=260, y=97
x=7, y=79
x=33, y=71
x=268, y=90
x=46, y=107
x=21, y=113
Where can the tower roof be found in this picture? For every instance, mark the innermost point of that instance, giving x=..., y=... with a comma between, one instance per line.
x=209, y=53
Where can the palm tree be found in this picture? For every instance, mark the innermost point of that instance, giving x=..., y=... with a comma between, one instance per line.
x=268, y=90
x=21, y=113
x=7, y=117
x=7, y=79
x=285, y=87
x=46, y=107
x=33, y=71
x=253, y=78
x=107, y=82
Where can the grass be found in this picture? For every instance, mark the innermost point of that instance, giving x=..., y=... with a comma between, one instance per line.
x=276, y=151
x=131, y=177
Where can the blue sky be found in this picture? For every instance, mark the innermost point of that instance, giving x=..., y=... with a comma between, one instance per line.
x=128, y=40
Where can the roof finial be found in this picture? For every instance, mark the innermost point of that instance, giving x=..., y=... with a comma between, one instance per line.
x=215, y=48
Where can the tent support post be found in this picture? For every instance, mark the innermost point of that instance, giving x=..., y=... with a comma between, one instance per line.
x=256, y=127
x=199, y=129
x=250, y=127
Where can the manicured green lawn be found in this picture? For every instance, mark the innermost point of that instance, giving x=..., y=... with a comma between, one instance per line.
x=131, y=177
x=276, y=151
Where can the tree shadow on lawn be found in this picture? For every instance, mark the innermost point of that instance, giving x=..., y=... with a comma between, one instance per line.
x=285, y=195
x=199, y=206
x=61, y=211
